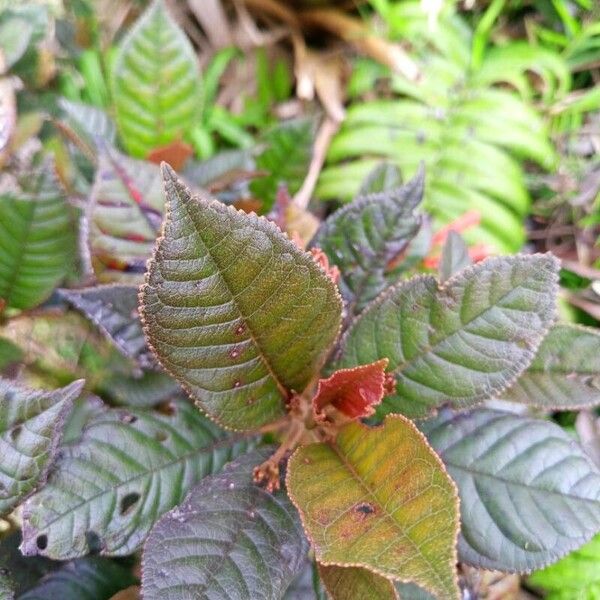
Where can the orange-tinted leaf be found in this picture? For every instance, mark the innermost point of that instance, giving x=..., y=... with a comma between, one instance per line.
x=354, y=583
x=379, y=498
x=353, y=392
x=176, y=154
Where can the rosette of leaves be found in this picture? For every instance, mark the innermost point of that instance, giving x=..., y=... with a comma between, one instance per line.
x=306, y=345
x=471, y=121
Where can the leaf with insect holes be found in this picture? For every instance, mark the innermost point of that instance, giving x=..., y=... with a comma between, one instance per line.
x=565, y=372
x=379, y=498
x=125, y=212
x=88, y=578
x=528, y=493
x=229, y=540
x=461, y=342
x=346, y=583
x=354, y=392
x=234, y=310
x=127, y=469
x=155, y=83
x=364, y=237
x=113, y=309
x=31, y=424
x=36, y=241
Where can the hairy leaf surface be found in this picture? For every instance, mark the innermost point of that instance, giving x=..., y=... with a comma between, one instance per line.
x=379, y=499
x=127, y=469
x=90, y=578
x=35, y=241
x=362, y=238
x=229, y=540
x=155, y=83
x=565, y=372
x=460, y=342
x=113, y=308
x=528, y=493
x=348, y=583
x=125, y=212
x=31, y=424
x=234, y=310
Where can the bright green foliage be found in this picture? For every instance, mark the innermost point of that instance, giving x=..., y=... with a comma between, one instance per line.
x=127, y=469
x=362, y=239
x=460, y=342
x=528, y=493
x=269, y=313
x=383, y=178
x=575, y=577
x=285, y=159
x=113, y=309
x=565, y=372
x=155, y=83
x=125, y=212
x=88, y=123
x=31, y=424
x=36, y=246
x=229, y=540
x=85, y=579
x=380, y=499
x=468, y=131
x=343, y=583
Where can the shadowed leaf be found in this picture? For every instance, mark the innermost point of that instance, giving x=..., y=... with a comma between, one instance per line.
x=385, y=177
x=461, y=342
x=126, y=470
x=455, y=256
x=353, y=583
x=229, y=540
x=379, y=499
x=528, y=493
x=234, y=310
x=31, y=424
x=362, y=238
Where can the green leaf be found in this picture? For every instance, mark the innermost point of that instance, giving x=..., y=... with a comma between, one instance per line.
x=348, y=583
x=410, y=591
x=565, y=372
x=385, y=177
x=125, y=212
x=113, y=309
x=10, y=355
x=229, y=540
x=155, y=83
x=574, y=576
x=31, y=424
x=238, y=313
x=455, y=256
x=379, y=499
x=88, y=123
x=285, y=159
x=85, y=579
x=460, y=342
x=528, y=493
x=127, y=469
x=362, y=238
x=36, y=248
x=307, y=585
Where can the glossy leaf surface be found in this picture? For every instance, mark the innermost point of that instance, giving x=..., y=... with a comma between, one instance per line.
x=379, y=499
x=235, y=310
x=127, y=469
x=528, y=493
x=31, y=424
x=229, y=540
x=460, y=342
